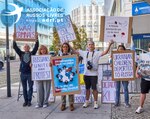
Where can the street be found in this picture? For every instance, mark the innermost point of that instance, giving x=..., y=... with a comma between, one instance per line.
x=14, y=73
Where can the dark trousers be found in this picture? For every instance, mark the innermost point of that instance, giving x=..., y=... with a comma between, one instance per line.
x=27, y=89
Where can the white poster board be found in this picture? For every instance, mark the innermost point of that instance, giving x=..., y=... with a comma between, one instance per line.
x=108, y=91
x=65, y=30
x=123, y=65
x=41, y=67
x=144, y=64
x=116, y=28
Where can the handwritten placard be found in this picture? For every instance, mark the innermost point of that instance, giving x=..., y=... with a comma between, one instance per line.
x=108, y=91
x=65, y=30
x=25, y=29
x=144, y=65
x=123, y=65
x=41, y=67
x=116, y=28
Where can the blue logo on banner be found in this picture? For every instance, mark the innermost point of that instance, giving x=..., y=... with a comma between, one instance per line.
x=140, y=8
x=141, y=36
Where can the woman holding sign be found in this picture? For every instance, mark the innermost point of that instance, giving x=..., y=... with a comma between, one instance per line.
x=43, y=86
x=125, y=86
x=66, y=50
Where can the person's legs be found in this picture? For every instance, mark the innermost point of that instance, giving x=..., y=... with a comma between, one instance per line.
x=40, y=93
x=126, y=92
x=87, y=86
x=47, y=86
x=94, y=88
x=71, y=102
x=145, y=87
x=30, y=91
x=142, y=99
x=63, y=100
x=117, y=98
x=24, y=86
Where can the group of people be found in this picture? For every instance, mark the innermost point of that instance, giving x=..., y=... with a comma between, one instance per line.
x=91, y=58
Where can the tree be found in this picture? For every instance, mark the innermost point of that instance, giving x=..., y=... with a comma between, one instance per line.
x=56, y=40
x=81, y=38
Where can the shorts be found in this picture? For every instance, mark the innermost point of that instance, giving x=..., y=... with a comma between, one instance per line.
x=91, y=81
x=145, y=86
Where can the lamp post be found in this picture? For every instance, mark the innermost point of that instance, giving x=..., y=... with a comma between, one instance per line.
x=7, y=54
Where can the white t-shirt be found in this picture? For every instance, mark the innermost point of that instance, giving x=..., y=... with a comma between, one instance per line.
x=94, y=60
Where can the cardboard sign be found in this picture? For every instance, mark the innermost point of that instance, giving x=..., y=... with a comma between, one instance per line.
x=25, y=29
x=116, y=28
x=144, y=65
x=108, y=91
x=41, y=67
x=65, y=75
x=123, y=65
x=65, y=30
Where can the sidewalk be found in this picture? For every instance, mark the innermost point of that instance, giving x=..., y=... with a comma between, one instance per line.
x=10, y=108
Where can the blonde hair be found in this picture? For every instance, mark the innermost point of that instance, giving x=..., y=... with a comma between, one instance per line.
x=42, y=47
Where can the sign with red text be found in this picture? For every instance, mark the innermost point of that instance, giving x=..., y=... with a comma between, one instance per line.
x=65, y=30
x=123, y=65
x=116, y=28
x=25, y=29
x=108, y=91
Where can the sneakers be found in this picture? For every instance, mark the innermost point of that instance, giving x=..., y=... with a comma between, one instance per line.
x=95, y=105
x=25, y=104
x=71, y=107
x=86, y=104
x=127, y=105
x=63, y=107
x=45, y=105
x=139, y=110
x=37, y=106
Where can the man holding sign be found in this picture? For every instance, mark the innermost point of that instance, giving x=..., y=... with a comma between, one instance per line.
x=143, y=72
x=25, y=69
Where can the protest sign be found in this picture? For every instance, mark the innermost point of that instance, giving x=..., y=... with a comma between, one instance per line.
x=81, y=98
x=65, y=75
x=65, y=30
x=41, y=67
x=123, y=65
x=108, y=91
x=144, y=65
x=116, y=28
x=25, y=29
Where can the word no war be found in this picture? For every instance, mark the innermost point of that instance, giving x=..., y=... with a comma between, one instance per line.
x=122, y=56
x=40, y=59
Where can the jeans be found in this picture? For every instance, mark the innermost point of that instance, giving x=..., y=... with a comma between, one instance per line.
x=126, y=93
x=26, y=78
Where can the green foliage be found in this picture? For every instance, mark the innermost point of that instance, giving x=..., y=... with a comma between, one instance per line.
x=81, y=38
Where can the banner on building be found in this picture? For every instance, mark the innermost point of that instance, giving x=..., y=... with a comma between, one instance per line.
x=65, y=29
x=25, y=29
x=65, y=75
x=123, y=65
x=41, y=67
x=116, y=28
